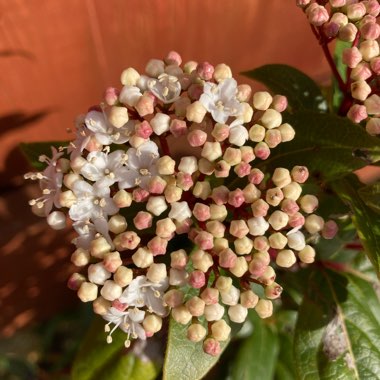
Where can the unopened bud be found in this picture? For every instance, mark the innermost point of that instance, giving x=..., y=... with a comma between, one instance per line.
x=101, y=306
x=237, y=313
x=286, y=258
x=181, y=315
x=249, y=299
x=222, y=72
x=152, y=324
x=123, y=276
x=314, y=223
x=220, y=330
x=214, y=312
x=196, y=306
x=111, y=290
x=196, y=332
x=264, y=308
x=142, y=258
x=87, y=292
x=307, y=255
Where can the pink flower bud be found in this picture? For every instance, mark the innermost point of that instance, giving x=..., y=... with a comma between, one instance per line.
x=184, y=181
x=112, y=261
x=242, y=169
x=173, y=298
x=197, y=279
x=372, y=104
x=157, y=245
x=140, y=195
x=178, y=128
x=375, y=65
x=204, y=240
x=373, y=126
x=330, y=229
x=142, y=220
x=351, y=56
x=236, y=198
x=357, y=113
x=212, y=347
x=248, y=299
x=197, y=137
x=318, y=15
x=259, y=208
x=220, y=195
x=348, y=32
x=373, y=7
x=173, y=58
x=111, y=95
x=259, y=264
x=337, y=3
x=201, y=212
x=262, y=151
x=165, y=228
x=256, y=176
x=227, y=258
x=289, y=206
x=261, y=243
x=210, y=296
x=196, y=306
x=331, y=29
x=244, y=92
x=299, y=174
x=75, y=281
x=143, y=130
x=220, y=132
x=205, y=70
x=127, y=240
x=145, y=104
x=370, y=31
x=296, y=220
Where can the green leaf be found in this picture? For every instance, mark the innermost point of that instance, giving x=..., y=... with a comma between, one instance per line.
x=97, y=360
x=184, y=359
x=32, y=151
x=338, y=329
x=301, y=91
x=326, y=143
x=257, y=355
x=370, y=195
x=366, y=221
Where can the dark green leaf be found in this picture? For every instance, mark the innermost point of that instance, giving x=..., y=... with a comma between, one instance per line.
x=97, y=360
x=370, y=195
x=33, y=151
x=328, y=144
x=367, y=222
x=302, y=92
x=256, y=358
x=338, y=330
x=184, y=359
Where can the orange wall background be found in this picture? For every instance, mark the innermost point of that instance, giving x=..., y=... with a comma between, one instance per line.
x=57, y=57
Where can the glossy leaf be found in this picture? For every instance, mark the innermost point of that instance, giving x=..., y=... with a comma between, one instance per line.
x=338, y=330
x=366, y=221
x=370, y=195
x=32, y=151
x=302, y=92
x=257, y=355
x=184, y=359
x=330, y=145
x=342, y=70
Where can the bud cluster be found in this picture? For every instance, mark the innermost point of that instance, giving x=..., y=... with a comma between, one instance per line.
x=132, y=198
x=354, y=21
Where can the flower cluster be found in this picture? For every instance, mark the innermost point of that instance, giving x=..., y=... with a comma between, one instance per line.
x=354, y=22
x=172, y=212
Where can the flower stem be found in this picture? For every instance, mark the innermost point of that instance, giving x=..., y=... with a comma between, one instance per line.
x=164, y=146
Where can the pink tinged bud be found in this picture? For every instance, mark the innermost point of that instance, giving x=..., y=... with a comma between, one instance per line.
x=278, y=220
x=220, y=195
x=309, y=203
x=357, y=113
x=196, y=306
x=248, y=299
x=157, y=246
x=87, y=292
x=238, y=228
x=268, y=276
x=165, y=228
x=111, y=95
x=204, y=240
x=236, y=198
x=273, y=138
x=360, y=90
x=210, y=296
x=142, y=258
x=247, y=153
x=259, y=264
x=194, y=92
x=173, y=58
x=118, y=305
x=123, y=276
x=373, y=126
x=356, y=11
x=111, y=290
x=273, y=291
x=330, y=229
x=227, y=258
x=122, y=199
x=351, y=57
x=212, y=347
x=237, y=313
x=220, y=132
x=197, y=137
x=300, y=174
x=274, y=196
x=348, y=32
x=307, y=255
x=286, y=258
x=280, y=103
x=145, y=104
x=337, y=3
x=222, y=169
x=184, y=181
x=201, y=212
x=178, y=128
x=318, y=15
x=373, y=7
x=314, y=223
x=370, y=31
x=244, y=92
x=261, y=244
x=140, y=195
x=197, y=279
x=178, y=259
x=331, y=29
x=173, y=298
x=112, y=261
x=181, y=315
x=256, y=176
x=142, y=220
x=289, y=206
x=243, y=246
x=296, y=220
x=262, y=150
x=262, y=100
x=183, y=227
x=372, y=104
x=216, y=228
x=369, y=49
x=75, y=281
x=143, y=130
x=264, y=308
x=243, y=169
x=259, y=208
x=205, y=70
x=214, y=312
x=375, y=66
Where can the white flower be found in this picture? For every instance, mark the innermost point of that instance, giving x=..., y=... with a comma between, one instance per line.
x=166, y=88
x=180, y=211
x=220, y=100
x=129, y=321
x=87, y=231
x=104, y=168
x=130, y=95
x=83, y=136
x=142, y=166
x=142, y=292
x=238, y=133
x=92, y=202
x=105, y=132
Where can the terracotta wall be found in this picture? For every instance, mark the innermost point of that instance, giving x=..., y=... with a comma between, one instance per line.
x=56, y=57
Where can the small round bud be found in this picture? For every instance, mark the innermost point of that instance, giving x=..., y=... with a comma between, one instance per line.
x=118, y=116
x=196, y=332
x=223, y=283
x=98, y=274
x=281, y=177
x=123, y=276
x=264, y=308
x=87, y=292
x=237, y=313
x=57, y=220
x=249, y=299
x=330, y=229
x=179, y=259
x=181, y=315
x=101, y=306
x=210, y=296
x=156, y=272
x=307, y=255
x=262, y=100
x=80, y=257
x=152, y=324
x=300, y=174
x=220, y=330
x=292, y=191
x=212, y=347
x=287, y=132
x=278, y=220
x=112, y=261
x=122, y=199
x=360, y=90
x=243, y=246
x=196, y=306
x=128, y=240
x=195, y=112
x=257, y=133
x=75, y=281
x=142, y=258
x=309, y=203
x=240, y=267
x=286, y=258
x=257, y=226
x=222, y=72
x=197, y=279
x=314, y=223
x=99, y=247
x=111, y=290
x=129, y=77
x=274, y=196
x=271, y=119
x=214, y=312
x=277, y=240
x=117, y=224
x=173, y=298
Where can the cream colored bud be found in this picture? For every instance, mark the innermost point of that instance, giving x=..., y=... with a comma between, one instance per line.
x=70, y=178
x=99, y=247
x=129, y=77
x=257, y=133
x=67, y=198
x=222, y=72
x=211, y=150
x=122, y=199
x=111, y=290
x=98, y=274
x=181, y=315
x=152, y=323
x=277, y=240
x=172, y=193
x=251, y=193
x=230, y=297
x=220, y=244
x=271, y=119
x=123, y=276
x=202, y=260
x=286, y=258
x=240, y=267
x=287, y=132
x=188, y=164
x=165, y=228
x=237, y=313
x=196, y=112
x=264, y=308
x=178, y=277
x=205, y=166
x=218, y=212
x=309, y=203
x=214, y=312
x=249, y=299
x=87, y=292
x=117, y=224
x=360, y=90
x=369, y=49
x=118, y=116
x=314, y=223
x=80, y=257
x=274, y=196
x=243, y=246
x=173, y=298
x=196, y=306
x=189, y=67
x=160, y=123
x=246, y=114
x=202, y=190
x=238, y=228
x=278, y=220
x=281, y=177
x=223, y=283
x=257, y=226
x=262, y=100
x=307, y=255
x=179, y=259
x=232, y=156
x=142, y=258
x=292, y=191
x=165, y=165
x=216, y=228
x=156, y=272
x=268, y=276
x=101, y=306
x=156, y=205
x=77, y=164
x=196, y=332
x=221, y=330
x=296, y=240
x=273, y=291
